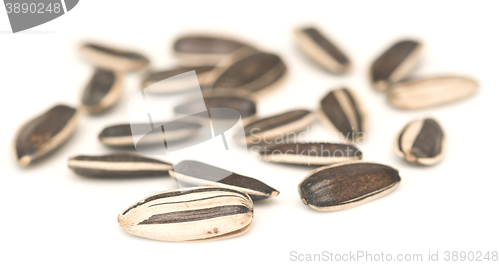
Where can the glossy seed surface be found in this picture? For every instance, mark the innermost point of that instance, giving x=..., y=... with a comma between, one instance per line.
x=204, y=49
x=421, y=142
x=323, y=51
x=265, y=130
x=205, y=213
x=343, y=186
x=102, y=91
x=175, y=84
x=121, y=134
x=113, y=58
x=248, y=70
x=44, y=133
x=193, y=173
x=395, y=63
x=429, y=92
x=118, y=166
x=341, y=111
x=310, y=153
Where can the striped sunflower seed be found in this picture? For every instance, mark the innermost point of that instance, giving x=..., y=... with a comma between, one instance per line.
x=245, y=105
x=121, y=135
x=44, y=133
x=395, y=63
x=310, y=153
x=247, y=70
x=268, y=129
x=421, y=142
x=174, y=85
x=343, y=186
x=204, y=49
x=118, y=166
x=322, y=51
x=193, y=173
x=112, y=58
x=102, y=91
x=342, y=111
x=205, y=213
x=429, y=92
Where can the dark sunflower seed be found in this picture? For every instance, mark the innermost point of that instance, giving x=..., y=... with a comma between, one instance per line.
x=310, y=153
x=429, y=92
x=267, y=129
x=121, y=135
x=421, y=142
x=342, y=186
x=102, y=91
x=118, y=166
x=195, y=173
x=44, y=133
x=175, y=84
x=395, y=63
x=322, y=50
x=204, y=50
x=342, y=111
x=247, y=70
x=204, y=213
x=111, y=58
x=246, y=107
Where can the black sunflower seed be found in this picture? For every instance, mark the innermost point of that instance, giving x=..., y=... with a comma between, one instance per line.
x=421, y=142
x=193, y=173
x=44, y=133
x=343, y=186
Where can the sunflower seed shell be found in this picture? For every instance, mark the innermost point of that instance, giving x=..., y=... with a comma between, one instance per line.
x=341, y=111
x=248, y=70
x=44, y=133
x=118, y=166
x=421, y=142
x=204, y=49
x=322, y=51
x=200, y=174
x=102, y=91
x=121, y=135
x=112, y=58
x=430, y=92
x=343, y=186
x=395, y=63
x=205, y=213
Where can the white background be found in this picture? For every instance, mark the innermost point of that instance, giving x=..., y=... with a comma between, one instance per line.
x=49, y=214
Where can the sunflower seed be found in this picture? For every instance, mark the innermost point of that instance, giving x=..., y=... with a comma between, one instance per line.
x=343, y=186
x=111, y=58
x=205, y=213
x=429, y=92
x=102, y=91
x=268, y=129
x=232, y=100
x=247, y=70
x=395, y=63
x=310, y=153
x=342, y=111
x=121, y=135
x=204, y=49
x=44, y=133
x=118, y=166
x=421, y=142
x=176, y=84
x=200, y=174
x=322, y=51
